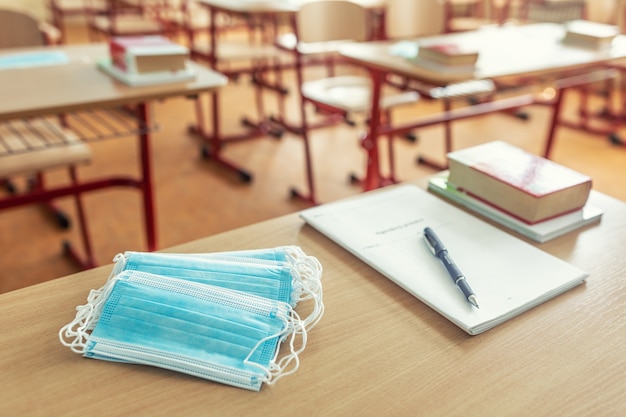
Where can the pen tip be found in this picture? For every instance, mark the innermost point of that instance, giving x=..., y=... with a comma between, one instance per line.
x=473, y=300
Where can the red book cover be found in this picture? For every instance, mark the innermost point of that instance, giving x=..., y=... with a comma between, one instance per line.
x=447, y=49
x=523, y=184
x=529, y=173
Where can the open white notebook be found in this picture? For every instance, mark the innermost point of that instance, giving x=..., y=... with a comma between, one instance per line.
x=385, y=229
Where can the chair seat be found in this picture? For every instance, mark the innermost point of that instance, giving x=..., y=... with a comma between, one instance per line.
x=37, y=145
x=237, y=51
x=463, y=24
x=128, y=25
x=288, y=42
x=352, y=93
x=78, y=6
x=471, y=88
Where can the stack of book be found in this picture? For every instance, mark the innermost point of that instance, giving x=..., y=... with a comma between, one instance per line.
x=447, y=56
x=146, y=60
x=531, y=195
x=588, y=34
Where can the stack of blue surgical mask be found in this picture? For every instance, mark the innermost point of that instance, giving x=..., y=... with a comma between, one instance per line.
x=220, y=316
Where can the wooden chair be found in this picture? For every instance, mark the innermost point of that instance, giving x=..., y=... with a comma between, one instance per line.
x=19, y=29
x=339, y=95
x=252, y=55
x=128, y=18
x=406, y=19
x=554, y=11
x=463, y=15
x=32, y=147
x=62, y=9
x=192, y=19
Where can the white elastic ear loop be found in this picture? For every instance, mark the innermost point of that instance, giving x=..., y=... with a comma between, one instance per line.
x=120, y=263
x=293, y=253
x=278, y=369
x=281, y=368
x=75, y=334
x=309, y=271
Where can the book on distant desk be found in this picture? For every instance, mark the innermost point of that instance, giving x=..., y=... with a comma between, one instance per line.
x=539, y=232
x=150, y=78
x=384, y=228
x=524, y=185
x=589, y=34
x=147, y=60
x=447, y=54
x=409, y=50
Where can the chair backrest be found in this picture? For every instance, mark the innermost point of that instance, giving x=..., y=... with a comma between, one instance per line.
x=19, y=29
x=412, y=18
x=331, y=20
x=555, y=11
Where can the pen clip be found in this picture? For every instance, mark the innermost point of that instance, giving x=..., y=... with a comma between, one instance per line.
x=430, y=244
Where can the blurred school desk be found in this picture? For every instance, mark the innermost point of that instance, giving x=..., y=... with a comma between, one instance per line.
x=38, y=83
x=531, y=56
x=377, y=351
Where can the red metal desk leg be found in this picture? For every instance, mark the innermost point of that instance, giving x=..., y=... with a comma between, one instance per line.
x=146, y=178
x=373, y=175
x=554, y=121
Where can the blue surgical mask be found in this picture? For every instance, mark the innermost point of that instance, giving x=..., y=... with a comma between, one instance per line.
x=210, y=332
x=284, y=274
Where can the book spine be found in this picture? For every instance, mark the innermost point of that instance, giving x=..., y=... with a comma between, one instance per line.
x=117, y=51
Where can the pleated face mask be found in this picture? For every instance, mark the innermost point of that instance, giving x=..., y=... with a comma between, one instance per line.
x=203, y=330
x=284, y=274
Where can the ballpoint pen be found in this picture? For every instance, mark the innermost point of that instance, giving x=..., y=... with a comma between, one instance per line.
x=440, y=251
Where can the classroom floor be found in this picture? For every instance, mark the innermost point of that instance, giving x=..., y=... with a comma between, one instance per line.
x=195, y=198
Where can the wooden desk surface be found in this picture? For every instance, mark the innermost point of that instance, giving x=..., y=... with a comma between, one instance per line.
x=503, y=52
x=79, y=84
x=377, y=350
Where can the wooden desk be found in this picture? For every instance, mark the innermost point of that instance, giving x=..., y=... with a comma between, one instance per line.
x=77, y=86
x=532, y=51
x=377, y=351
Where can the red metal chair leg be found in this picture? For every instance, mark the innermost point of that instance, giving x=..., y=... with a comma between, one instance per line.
x=36, y=183
x=213, y=142
x=86, y=261
x=308, y=162
x=310, y=196
x=447, y=128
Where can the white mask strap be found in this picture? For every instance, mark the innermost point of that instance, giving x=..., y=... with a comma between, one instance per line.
x=120, y=262
x=75, y=334
x=309, y=283
x=289, y=363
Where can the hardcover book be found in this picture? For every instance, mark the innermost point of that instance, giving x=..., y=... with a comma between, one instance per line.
x=147, y=54
x=447, y=54
x=524, y=185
